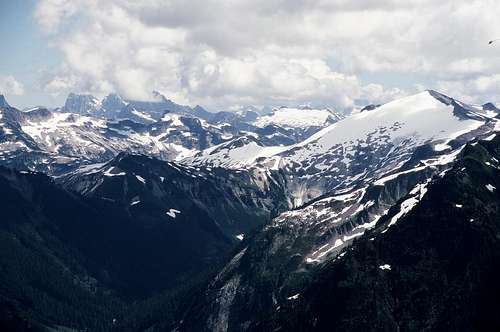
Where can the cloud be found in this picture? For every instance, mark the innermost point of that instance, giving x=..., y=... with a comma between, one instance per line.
x=10, y=86
x=221, y=53
x=469, y=90
x=51, y=13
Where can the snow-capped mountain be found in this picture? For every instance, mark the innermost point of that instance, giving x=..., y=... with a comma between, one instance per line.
x=114, y=107
x=363, y=145
x=48, y=141
x=343, y=180
x=282, y=196
x=39, y=139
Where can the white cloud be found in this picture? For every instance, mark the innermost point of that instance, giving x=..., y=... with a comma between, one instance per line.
x=10, y=86
x=51, y=13
x=220, y=53
x=477, y=89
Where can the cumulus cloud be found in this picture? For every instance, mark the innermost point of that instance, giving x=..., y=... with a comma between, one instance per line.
x=10, y=86
x=222, y=53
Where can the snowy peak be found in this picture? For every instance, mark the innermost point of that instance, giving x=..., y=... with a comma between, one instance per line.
x=3, y=102
x=361, y=146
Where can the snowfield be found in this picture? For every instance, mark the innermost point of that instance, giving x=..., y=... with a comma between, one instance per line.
x=298, y=118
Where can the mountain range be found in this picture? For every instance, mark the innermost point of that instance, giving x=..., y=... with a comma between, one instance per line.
x=125, y=215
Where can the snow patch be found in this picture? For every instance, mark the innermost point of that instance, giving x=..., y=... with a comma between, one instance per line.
x=109, y=171
x=141, y=179
x=172, y=213
x=297, y=118
x=385, y=267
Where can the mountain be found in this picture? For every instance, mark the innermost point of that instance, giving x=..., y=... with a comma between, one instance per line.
x=55, y=142
x=360, y=147
x=114, y=107
x=239, y=221
x=435, y=269
x=342, y=182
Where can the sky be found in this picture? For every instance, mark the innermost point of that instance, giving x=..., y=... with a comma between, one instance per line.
x=223, y=54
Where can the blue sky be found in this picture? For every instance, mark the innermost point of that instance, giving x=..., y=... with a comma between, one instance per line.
x=26, y=52
x=224, y=54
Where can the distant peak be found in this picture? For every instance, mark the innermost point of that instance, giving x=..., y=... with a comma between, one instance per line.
x=3, y=102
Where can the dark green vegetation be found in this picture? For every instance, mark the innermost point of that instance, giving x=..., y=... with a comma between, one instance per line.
x=444, y=259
